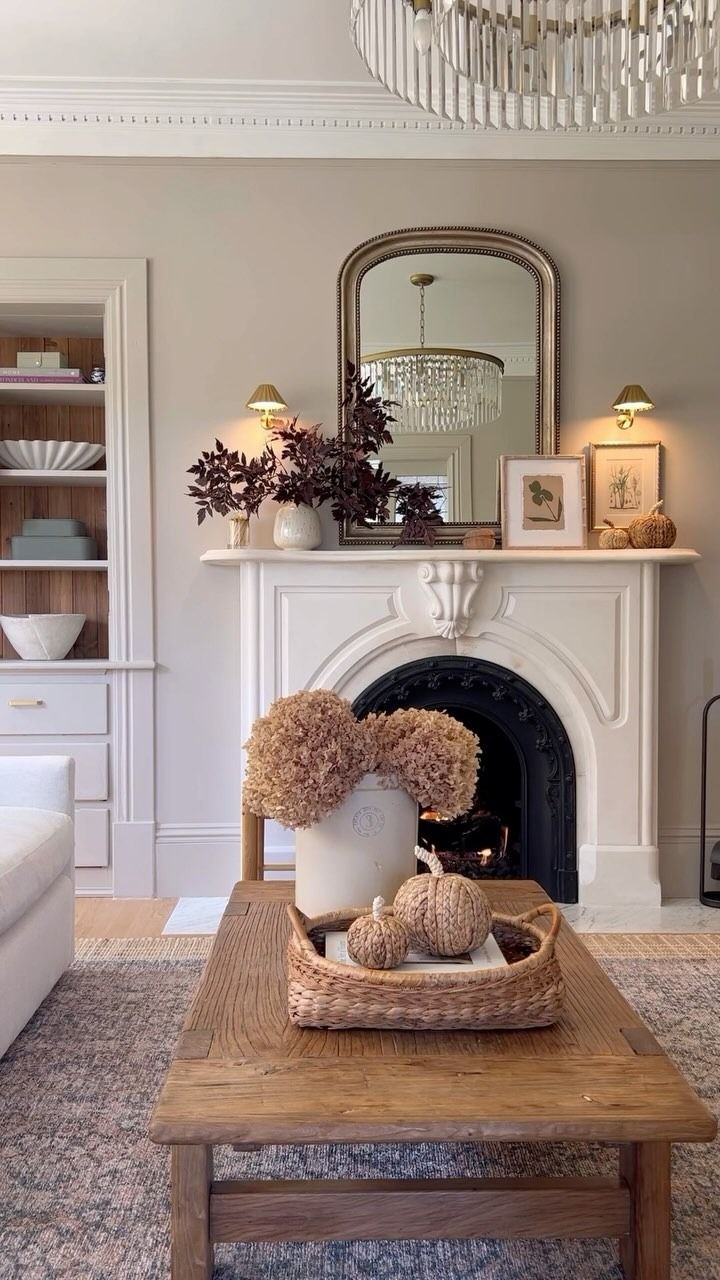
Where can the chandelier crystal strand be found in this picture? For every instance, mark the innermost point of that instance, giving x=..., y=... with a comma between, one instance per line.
x=544, y=64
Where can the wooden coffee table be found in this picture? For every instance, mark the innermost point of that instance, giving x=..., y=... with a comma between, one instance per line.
x=243, y=1075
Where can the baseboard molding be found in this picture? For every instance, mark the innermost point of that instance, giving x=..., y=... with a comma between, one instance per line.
x=679, y=860
x=194, y=832
x=94, y=882
x=203, y=859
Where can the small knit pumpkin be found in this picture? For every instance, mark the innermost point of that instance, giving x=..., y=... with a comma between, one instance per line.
x=378, y=941
x=653, y=530
x=612, y=538
x=445, y=915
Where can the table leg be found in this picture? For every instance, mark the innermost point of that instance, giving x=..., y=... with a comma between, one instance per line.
x=645, y=1252
x=191, y=1248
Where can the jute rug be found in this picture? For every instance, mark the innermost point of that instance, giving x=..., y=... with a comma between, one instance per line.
x=84, y=1194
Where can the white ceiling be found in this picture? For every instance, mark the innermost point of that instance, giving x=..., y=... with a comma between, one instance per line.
x=183, y=39
x=474, y=301
x=248, y=78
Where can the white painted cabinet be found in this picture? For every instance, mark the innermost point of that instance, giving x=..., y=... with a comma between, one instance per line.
x=66, y=717
x=28, y=708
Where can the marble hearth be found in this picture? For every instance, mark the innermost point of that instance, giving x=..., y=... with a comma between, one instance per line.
x=581, y=627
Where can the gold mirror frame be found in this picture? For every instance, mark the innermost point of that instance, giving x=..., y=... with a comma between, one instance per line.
x=496, y=244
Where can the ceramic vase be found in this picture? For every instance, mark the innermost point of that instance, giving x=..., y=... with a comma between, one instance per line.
x=365, y=848
x=297, y=527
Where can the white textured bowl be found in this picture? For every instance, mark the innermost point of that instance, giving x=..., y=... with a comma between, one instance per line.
x=49, y=455
x=43, y=637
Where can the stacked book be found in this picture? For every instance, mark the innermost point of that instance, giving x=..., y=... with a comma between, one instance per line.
x=41, y=375
x=53, y=539
x=488, y=956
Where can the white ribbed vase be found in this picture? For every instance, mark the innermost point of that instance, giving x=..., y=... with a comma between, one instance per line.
x=365, y=848
x=297, y=528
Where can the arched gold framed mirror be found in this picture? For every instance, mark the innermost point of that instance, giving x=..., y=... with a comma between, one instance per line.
x=460, y=328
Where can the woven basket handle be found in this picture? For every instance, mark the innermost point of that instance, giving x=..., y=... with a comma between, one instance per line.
x=546, y=909
x=299, y=928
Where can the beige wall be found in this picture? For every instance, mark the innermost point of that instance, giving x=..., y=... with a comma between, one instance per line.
x=243, y=262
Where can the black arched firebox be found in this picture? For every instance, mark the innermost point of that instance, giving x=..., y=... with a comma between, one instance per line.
x=522, y=823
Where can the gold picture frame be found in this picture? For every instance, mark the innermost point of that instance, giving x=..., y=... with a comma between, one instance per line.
x=625, y=481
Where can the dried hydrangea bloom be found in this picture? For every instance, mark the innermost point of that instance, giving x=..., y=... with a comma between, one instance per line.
x=430, y=754
x=305, y=757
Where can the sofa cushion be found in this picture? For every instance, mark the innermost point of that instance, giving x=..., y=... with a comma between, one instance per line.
x=35, y=848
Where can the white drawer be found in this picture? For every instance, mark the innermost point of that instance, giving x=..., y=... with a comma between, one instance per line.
x=53, y=708
x=92, y=837
x=91, y=763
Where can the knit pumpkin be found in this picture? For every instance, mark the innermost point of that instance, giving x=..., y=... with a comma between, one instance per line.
x=612, y=538
x=444, y=915
x=378, y=941
x=652, y=530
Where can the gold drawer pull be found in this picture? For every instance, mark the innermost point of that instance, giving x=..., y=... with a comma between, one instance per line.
x=26, y=702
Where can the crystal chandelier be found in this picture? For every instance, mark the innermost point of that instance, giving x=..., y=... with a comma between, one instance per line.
x=436, y=388
x=542, y=64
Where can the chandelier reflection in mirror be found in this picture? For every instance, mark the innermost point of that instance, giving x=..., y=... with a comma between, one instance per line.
x=436, y=388
x=542, y=64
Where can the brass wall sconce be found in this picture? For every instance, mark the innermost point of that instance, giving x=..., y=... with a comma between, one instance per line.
x=267, y=401
x=632, y=399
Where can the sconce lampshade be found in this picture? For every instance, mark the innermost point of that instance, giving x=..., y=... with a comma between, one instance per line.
x=266, y=399
x=633, y=399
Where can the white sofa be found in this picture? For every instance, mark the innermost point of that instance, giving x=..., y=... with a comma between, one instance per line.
x=37, y=883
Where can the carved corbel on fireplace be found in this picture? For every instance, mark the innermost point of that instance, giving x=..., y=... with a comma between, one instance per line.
x=451, y=587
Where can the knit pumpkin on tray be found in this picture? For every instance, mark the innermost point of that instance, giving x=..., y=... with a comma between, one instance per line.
x=378, y=941
x=444, y=914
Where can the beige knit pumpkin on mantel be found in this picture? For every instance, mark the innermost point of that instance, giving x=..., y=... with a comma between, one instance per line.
x=445, y=915
x=653, y=530
x=613, y=538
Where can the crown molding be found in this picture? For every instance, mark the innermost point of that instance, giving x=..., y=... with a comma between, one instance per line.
x=519, y=358
x=300, y=119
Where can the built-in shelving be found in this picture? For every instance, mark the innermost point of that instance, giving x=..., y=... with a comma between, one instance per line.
x=55, y=477
x=93, y=312
x=74, y=566
x=53, y=409
x=81, y=395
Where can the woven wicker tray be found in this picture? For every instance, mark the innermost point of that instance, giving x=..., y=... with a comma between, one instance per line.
x=529, y=992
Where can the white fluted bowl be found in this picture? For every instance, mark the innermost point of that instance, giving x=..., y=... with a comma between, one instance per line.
x=49, y=455
x=42, y=637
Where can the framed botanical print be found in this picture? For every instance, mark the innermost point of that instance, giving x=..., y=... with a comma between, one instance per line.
x=624, y=481
x=542, y=501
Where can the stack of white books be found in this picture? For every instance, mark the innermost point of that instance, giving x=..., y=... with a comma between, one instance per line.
x=488, y=956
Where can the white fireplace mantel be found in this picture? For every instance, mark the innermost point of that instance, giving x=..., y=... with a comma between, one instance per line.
x=580, y=626
x=401, y=555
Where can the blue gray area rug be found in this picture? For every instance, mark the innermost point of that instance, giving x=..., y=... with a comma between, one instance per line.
x=84, y=1194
